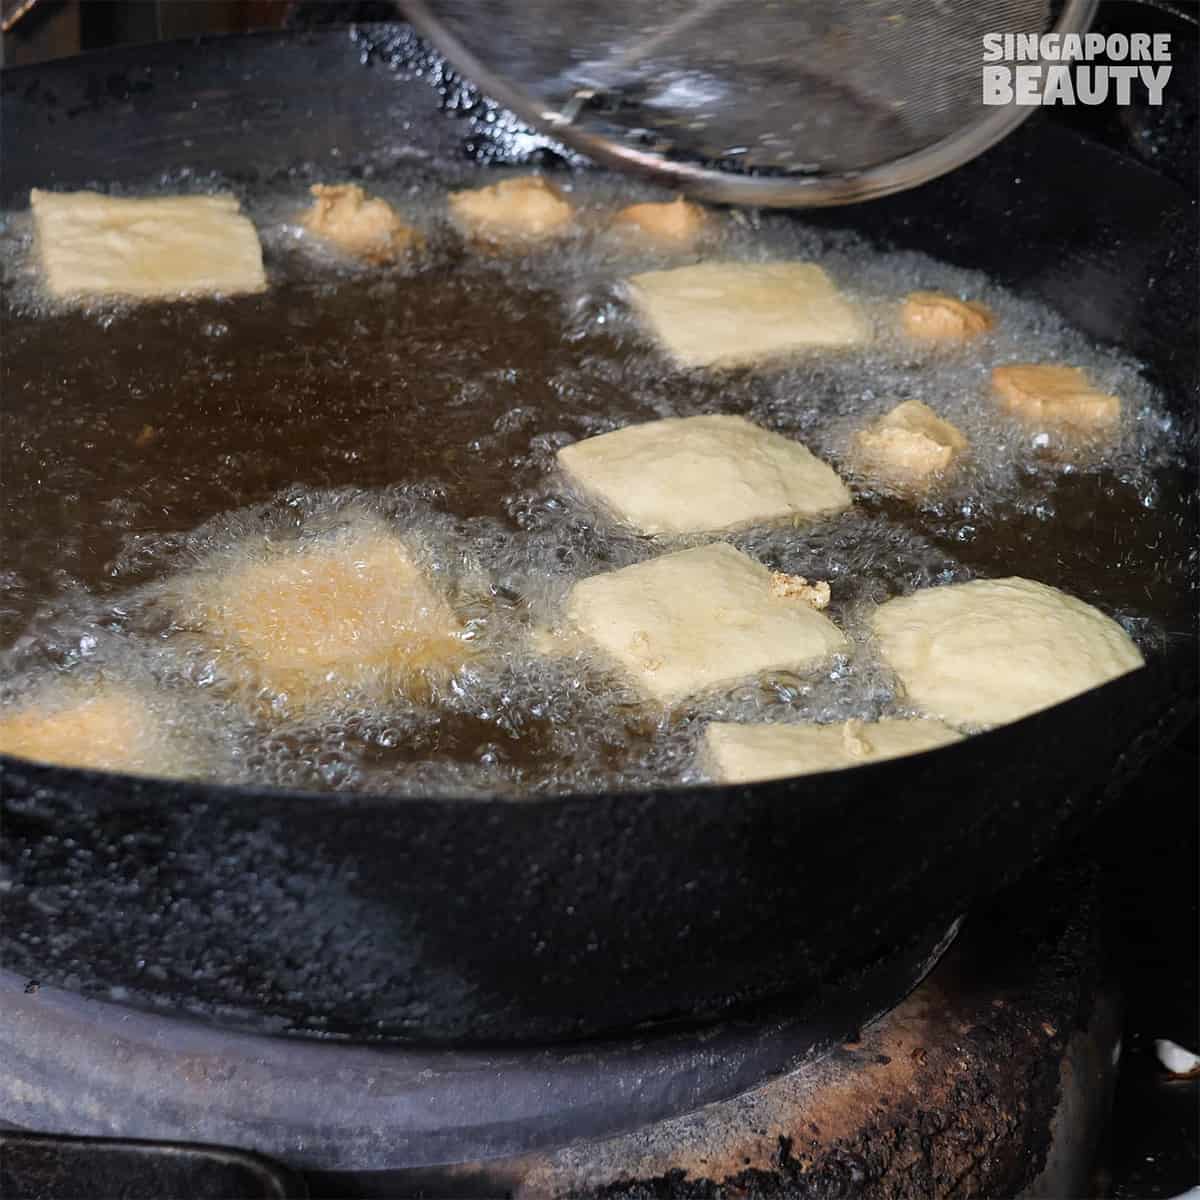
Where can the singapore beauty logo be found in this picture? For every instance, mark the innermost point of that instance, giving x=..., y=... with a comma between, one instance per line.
x=1029, y=69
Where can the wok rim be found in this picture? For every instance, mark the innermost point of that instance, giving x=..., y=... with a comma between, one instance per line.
x=84, y=779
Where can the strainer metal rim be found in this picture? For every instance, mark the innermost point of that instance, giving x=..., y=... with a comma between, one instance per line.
x=764, y=191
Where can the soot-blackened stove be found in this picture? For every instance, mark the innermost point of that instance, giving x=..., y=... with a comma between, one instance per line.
x=991, y=1078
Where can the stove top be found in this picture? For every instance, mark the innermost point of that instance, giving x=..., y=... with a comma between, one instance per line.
x=90, y=1067
x=991, y=1078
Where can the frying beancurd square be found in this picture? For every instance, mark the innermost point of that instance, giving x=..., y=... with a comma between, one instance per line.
x=697, y=621
x=677, y=223
x=730, y=314
x=526, y=209
x=733, y=753
x=908, y=446
x=349, y=616
x=360, y=225
x=702, y=474
x=995, y=650
x=164, y=247
x=937, y=317
x=102, y=728
x=1048, y=396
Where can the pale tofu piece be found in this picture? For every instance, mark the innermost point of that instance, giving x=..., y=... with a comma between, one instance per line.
x=908, y=447
x=701, y=475
x=731, y=314
x=103, y=728
x=1052, y=397
x=163, y=247
x=676, y=224
x=360, y=225
x=349, y=616
x=732, y=753
x=697, y=621
x=526, y=209
x=937, y=317
x=995, y=650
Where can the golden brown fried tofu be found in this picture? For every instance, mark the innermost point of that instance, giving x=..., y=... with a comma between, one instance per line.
x=103, y=728
x=677, y=224
x=908, y=446
x=350, y=616
x=526, y=209
x=363, y=226
x=1052, y=397
x=935, y=316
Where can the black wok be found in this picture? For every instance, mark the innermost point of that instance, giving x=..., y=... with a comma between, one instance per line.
x=492, y=921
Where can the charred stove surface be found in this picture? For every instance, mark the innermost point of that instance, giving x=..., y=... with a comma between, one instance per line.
x=991, y=1079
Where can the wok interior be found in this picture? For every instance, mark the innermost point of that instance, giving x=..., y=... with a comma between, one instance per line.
x=435, y=394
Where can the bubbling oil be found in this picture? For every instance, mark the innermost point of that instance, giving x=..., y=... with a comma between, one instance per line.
x=143, y=441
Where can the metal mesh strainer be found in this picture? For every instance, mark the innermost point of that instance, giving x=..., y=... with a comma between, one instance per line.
x=783, y=102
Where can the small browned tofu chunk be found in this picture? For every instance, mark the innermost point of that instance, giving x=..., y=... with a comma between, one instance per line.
x=935, y=316
x=347, y=617
x=363, y=226
x=102, y=728
x=677, y=223
x=796, y=587
x=1055, y=398
x=908, y=447
x=526, y=209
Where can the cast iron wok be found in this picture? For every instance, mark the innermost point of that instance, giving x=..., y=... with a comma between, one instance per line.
x=440, y=920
